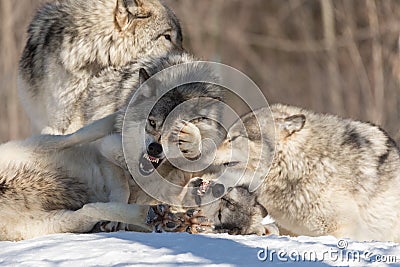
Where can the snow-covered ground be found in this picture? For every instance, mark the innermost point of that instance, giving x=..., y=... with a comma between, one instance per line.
x=181, y=249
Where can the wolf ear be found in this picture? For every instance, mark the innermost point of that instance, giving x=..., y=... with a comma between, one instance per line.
x=294, y=123
x=143, y=76
x=150, y=89
x=128, y=10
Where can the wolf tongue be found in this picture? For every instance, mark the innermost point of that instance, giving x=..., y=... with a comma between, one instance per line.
x=153, y=159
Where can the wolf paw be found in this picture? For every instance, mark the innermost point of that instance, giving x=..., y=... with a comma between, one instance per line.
x=107, y=226
x=188, y=138
x=163, y=220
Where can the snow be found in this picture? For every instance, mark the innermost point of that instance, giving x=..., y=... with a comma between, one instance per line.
x=182, y=249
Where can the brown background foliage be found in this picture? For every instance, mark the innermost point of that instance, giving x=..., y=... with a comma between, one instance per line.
x=336, y=56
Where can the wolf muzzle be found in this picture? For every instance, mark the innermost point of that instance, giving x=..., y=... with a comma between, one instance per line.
x=151, y=159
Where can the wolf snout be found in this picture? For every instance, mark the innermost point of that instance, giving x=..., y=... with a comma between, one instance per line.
x=201, y=187
x=154, y=149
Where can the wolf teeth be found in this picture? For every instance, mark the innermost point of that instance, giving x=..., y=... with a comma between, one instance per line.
x=151, y=160
x=203, y=188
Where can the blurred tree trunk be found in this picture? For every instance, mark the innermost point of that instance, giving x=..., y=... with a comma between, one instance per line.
x=333, y=82
x=14, y=19
x=8, y=57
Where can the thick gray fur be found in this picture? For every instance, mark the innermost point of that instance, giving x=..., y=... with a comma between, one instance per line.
x=71, y=41
x=327, y=175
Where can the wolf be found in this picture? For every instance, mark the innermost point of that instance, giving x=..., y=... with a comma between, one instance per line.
x=234, y=211
x=71, y=41
x=327, y=175
x=57, y=184
x=181, y=118
x=111, y=91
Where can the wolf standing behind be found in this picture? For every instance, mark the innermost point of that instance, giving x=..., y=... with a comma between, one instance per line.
x=71, y=41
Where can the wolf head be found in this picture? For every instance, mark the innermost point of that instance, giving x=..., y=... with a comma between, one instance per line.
x=93, y=34
x=236, y=211
x=175, y=94
x=151, y=25
x=247, y=153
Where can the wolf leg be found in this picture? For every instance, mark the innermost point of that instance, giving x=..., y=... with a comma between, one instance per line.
x=118, y=212
x=158, y=218
x=111, y=148
x=51, y=222
x=87, y=134
x=93, y=131
x=118, y=181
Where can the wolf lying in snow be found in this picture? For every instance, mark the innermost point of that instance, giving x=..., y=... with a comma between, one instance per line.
x=56, y=184
x=329, y=176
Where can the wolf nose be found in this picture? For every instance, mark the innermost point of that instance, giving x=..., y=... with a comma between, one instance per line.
x=154, y=149
x=218, y=190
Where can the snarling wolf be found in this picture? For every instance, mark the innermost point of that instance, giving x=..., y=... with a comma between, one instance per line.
x=71, y=41
x=327, y=176
x=182, y=117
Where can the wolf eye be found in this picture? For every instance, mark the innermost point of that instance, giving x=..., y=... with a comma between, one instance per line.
x=143, y=16
x=230, y=205
x=168, y=37
x=233, y=138
x=152, y=123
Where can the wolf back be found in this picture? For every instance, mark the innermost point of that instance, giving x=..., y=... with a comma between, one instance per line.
x=70, y=41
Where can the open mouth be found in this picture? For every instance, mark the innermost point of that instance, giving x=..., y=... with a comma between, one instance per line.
x=148, y=164
x=203, y=188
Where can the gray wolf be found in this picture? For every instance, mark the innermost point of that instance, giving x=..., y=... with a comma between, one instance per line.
x=56, y=184
x=71, y=41
x=112, y=91
x=328, y=176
